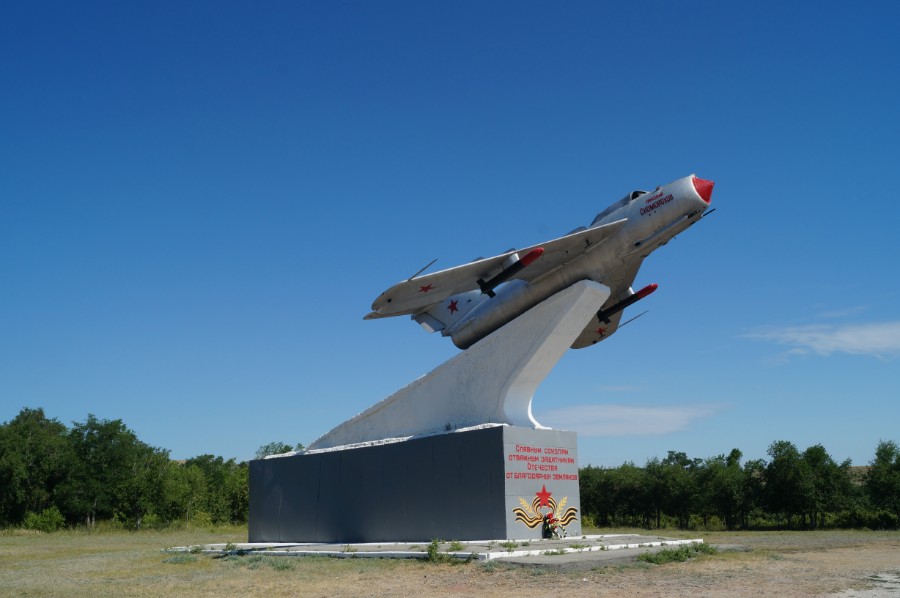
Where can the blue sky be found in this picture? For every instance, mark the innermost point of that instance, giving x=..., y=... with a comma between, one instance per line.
x=199, y=202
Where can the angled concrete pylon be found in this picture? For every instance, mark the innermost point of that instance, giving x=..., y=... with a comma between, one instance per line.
x=491, y=382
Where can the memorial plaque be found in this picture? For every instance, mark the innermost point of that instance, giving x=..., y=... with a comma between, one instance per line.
x=541, y=480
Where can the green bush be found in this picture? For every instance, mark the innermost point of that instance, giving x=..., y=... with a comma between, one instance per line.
x=282, y=563
x=434, y=554
x=712, y=523
x=152, y=521
x=676, y=555
x=48, y=520
x=201, y=519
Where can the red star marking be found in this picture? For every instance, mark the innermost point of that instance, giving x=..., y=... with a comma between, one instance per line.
x=452, y=307
x=544, y=496
x=600, y=331
x=426, y=288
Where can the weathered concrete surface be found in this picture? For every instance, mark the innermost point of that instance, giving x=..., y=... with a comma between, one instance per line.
x=570, y=554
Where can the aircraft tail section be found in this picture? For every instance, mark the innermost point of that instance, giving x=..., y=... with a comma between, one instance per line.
x=445, y=314
x=597, y=330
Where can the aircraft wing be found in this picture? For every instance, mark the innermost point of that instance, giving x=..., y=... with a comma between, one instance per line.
x=418, y=293
x=620, y=289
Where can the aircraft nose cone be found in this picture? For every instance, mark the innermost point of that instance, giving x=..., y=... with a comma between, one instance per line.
x=704, y=188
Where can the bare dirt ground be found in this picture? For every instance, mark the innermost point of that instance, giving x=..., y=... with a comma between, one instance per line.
x=842, y=563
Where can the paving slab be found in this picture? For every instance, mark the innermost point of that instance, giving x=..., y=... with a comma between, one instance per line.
x=581, y=552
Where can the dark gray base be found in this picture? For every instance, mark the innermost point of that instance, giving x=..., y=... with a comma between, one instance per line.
x=475, y=485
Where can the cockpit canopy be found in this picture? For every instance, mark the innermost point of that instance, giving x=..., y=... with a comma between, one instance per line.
x=619, y=204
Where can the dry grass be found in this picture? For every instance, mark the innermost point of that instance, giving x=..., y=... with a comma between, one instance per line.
x=132, y=564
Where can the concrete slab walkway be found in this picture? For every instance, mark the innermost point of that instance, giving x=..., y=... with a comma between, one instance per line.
x=565, y=552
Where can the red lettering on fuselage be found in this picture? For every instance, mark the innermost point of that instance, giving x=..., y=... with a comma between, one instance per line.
x=660, y=201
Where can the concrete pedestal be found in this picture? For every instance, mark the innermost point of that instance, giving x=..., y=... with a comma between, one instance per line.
x=456, y=454
x=493, y=381
x=490, y=483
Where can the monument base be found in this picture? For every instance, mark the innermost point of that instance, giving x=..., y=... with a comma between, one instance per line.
x=496, y=482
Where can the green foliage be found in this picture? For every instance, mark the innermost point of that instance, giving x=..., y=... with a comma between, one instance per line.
x=883, y=479
x=111, y=471
x=434, y=552
x=99, y=474
x=276, y=448
x=677, y=486
x=626, y=495
x=258, y=561
x=35, y=458
x=218, y=487
x=201, y=519
x=720, y=491
x=99, y=471
x=509, y=545
x=152, y=521
x=785, y=480
x=282, y=563
x=48, y=520
x=676, y=555
x=795, y=490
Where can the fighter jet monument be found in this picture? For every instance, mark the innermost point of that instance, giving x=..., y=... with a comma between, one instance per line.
x=458, y=453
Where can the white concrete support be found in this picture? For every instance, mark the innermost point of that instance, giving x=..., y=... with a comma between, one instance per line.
x=491, y=382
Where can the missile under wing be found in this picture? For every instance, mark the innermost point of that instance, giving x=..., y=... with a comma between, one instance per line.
x=418, y=293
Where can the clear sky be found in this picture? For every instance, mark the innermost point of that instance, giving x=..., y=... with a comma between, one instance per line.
x=200, y=200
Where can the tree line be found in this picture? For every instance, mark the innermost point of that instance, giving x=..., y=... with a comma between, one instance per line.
x=98, y=470
x=791, y=490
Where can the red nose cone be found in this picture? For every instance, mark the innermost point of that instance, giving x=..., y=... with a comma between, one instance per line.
x=704, y=188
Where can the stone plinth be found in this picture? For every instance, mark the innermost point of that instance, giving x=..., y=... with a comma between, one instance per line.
x=482, y=484
x=455, y=454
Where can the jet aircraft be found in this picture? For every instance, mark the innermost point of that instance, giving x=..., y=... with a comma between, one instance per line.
x=470, y=301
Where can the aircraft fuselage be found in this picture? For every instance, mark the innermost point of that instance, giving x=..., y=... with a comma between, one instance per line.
x=653, y=219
